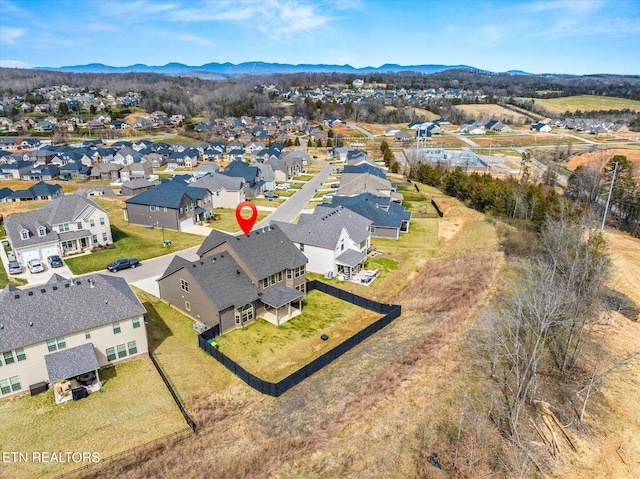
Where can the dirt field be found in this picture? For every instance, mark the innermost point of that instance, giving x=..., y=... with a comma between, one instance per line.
x=602, y=157
x=496, y=112
x=587, y=103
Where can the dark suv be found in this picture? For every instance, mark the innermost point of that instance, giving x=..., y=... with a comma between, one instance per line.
x=123, y=263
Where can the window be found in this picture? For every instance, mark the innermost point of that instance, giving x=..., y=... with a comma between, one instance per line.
x=42, y=231
x=11, y=384
x=67, y=245
x=301, y=287
x=265, y=283
x=301, y=246
x=289, y=274
x=184, y=285
x=279, y=276
x=104, y=237
x=164, y=209
x=342, y=247
x=238, y=316
x=55, y=344
x=79, y=225
x=8, y=357
x=24, y=234
x=102, y=221
x=133, y=348
x=111, y=354
x=87, y=335
x=63, y=227
x=187, y=305
x=20, y=354
x=136, y=322
x=181, y=211
x=247, y=313
x=122, y=350
x=92, y=222
x=116, y=327
x=94, y=239
x=299, y=271
x=152, y=208
x=273, y=279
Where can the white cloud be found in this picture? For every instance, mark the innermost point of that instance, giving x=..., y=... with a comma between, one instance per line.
x=195, y=40
x=141, y=9
x=101, y=27
x=10, y=35
x=14, y=64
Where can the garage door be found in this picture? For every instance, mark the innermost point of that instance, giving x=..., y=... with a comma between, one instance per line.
x=29, y=255
x=48, y=251
x=186, y=223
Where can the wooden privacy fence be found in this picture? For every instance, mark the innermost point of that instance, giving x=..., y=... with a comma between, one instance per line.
x=390, y=311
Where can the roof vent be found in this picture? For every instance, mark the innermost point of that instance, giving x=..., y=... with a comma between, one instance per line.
x=1, y=326
x=238, y=238
x=66, y=285
x=43, y=290
x=193, y=265
x=91, y=283
x=30, y=323
x=78, y=282
x=16, y=296
x=55, y=288
x=30, y=293
x=237, y=272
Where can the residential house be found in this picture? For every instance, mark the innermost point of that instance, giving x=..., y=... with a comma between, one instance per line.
x=172, y=204
x=136, y=171
x=254, y=185
x=335, y=241
x=42, y=172
x=8, y=143
x=106, y=171
x=15, y=170
x=137, y=186
x=226, y=191
x=95, y=190
x=205, y=169
x=69, y=224
x=237, y=279
x=540, y=127
x=57, y=343
x=267, y=175
x=4, y=193
x=75, y=170
x=38, y=192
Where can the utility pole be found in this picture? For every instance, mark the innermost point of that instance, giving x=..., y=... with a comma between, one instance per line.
x=606, y=207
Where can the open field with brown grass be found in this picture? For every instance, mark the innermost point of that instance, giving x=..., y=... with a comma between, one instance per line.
x=586, y=103
x=492, y=111
x=602, y=157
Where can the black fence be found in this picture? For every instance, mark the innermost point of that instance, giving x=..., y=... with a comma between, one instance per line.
x=175, y=396
x=390, y=311
x=435, y=205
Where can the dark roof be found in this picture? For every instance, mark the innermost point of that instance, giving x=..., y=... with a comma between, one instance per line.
x=351, y=257
x=39, y=189
x=167, y=194
x=220, y=277
x=4, y=192
x=364, y=168
x=278, y=296
x=71, y=362
x=242, y=170
x=60, y=307
x=265, y=251
x=367, y=205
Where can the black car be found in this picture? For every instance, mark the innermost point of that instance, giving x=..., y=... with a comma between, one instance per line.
x=123, y=263
x=55, y=261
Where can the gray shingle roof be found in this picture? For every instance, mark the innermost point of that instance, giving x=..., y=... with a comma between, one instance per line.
x=367, y=205
x=62, y=308
x=351, y=257
x=265, y=251
x=168, y=194
x=217, y=182
x=278, y=296
x=71, y=362
x=323, y=229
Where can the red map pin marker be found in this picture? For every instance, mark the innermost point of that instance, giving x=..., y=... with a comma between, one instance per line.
x=246, y=223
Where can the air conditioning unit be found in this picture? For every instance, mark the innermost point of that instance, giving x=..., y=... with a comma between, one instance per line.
x=329, y=275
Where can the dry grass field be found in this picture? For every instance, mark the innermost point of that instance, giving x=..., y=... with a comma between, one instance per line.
x=587, y=103
x=602, y=157
x=496, y=112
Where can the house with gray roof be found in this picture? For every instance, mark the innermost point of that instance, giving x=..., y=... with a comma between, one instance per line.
x=57, y=344
x=335, y=241
x=226, y=191
x=67, y=225
x=238, y=279
x=173, y=204
x=38, y=192
x=135, y=187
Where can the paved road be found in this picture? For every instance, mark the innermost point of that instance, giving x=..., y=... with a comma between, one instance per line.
x=291, y=208
x=472, y=144
x=369, y=135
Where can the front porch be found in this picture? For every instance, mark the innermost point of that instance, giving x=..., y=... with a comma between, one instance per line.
x=74, y=242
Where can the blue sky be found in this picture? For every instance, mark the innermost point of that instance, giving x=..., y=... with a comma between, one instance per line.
x=538, y=36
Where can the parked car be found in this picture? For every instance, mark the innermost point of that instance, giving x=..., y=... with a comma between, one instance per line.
x=55, y=261
x=327, y=197
x=14, y=267
x=35, y=266
x=283, y=186
x=271, y=194
x=123, y=263
x=335, y=185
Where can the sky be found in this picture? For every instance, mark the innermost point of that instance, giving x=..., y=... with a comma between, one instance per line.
x=537, y=36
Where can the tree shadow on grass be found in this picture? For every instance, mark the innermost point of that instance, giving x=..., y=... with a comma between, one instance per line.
x=622, y=304
x=106, y=374
x=157, y=329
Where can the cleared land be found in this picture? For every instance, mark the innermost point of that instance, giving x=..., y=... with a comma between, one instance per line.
x=586, y=103
x=492, y=111
x=271, y=352
x=106, y=423
x=602, y=157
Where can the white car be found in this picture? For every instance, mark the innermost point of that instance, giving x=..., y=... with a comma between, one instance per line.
x=283, y=186
x=35, y=266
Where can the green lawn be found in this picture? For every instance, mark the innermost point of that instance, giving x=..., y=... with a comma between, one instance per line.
x=272, y=202
x=134, y=408
x=226, y=219
x=174, y=344
x=130, y=241
x=271, y=352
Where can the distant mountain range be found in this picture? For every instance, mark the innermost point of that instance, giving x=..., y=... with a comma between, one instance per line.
x=227, y=70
